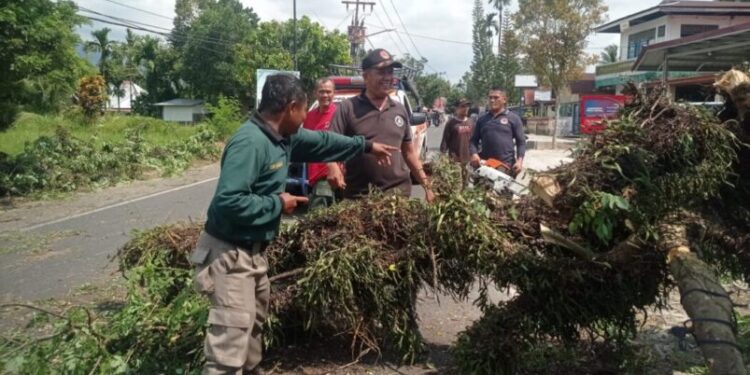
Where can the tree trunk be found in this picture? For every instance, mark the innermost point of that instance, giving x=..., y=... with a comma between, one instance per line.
x=706, y=302
x=557, y=118
x=499, y=29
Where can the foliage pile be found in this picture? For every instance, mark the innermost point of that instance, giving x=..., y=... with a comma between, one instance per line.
x=158, y=330
x=358, y=268
x=63, y=162
x=599, y=262
x=582, y=267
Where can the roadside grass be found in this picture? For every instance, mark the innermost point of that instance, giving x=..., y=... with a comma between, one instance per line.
x=111, y=128
x=48, y=156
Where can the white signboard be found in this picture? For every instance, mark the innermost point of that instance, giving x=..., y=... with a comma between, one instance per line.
x=525, y=81
x=260, y=80
x=542, y=96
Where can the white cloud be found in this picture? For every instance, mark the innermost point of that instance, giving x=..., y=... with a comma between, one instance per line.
x=440, y=19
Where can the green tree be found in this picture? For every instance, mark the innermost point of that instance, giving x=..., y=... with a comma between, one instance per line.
x=317, y=48
x=159, y=74
x=482, y=68
x=262, y=49
x=210, y=57
x=431, y=87
x=39, y=67
x=553, y=35
x=610, y=54
x=104, y=46
x=508, y=63
x=186, y=11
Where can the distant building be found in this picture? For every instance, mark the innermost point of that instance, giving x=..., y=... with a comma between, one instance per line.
x=656, y=26
x=704, y=53
x=186, y=111
x=123, y=100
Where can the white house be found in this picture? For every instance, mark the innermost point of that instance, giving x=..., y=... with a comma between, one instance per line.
x=667, y=21
x=128, y=93
x=183, y=110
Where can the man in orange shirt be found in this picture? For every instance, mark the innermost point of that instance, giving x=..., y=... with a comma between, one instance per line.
x=318, y=119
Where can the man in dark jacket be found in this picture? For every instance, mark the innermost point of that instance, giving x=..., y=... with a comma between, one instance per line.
x=499, y=135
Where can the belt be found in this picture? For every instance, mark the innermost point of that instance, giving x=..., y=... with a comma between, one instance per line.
x=247, y=246
x=253, y=247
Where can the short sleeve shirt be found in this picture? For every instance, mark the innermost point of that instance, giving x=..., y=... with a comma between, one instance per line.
x=358, y=116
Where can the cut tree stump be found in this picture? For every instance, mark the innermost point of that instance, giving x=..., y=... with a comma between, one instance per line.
x=710, y=309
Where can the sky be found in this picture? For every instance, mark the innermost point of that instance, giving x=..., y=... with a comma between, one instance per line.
x=425, y=20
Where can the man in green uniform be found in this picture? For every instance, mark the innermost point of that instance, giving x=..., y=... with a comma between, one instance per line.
x=244, y=217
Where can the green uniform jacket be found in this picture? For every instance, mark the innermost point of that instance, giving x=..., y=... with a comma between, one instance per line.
x=246, y=206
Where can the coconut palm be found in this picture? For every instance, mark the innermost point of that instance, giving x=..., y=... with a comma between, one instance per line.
x=500, y=6
x=104, y=46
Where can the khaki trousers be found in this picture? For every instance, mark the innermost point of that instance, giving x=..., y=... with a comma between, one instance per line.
x=235, y=280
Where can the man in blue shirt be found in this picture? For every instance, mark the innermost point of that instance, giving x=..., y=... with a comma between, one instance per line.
x=499, y=135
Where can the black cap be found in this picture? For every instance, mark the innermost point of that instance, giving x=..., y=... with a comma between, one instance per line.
x=379, y=58
x=463, y=101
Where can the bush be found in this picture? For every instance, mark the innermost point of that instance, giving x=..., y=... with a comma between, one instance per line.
x=63, y=162
x=226, y=116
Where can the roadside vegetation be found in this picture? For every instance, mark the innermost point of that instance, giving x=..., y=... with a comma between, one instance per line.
x=56, y=132
x=49, y=154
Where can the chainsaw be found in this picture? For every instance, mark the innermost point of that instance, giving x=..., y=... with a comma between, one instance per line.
x=491, y=172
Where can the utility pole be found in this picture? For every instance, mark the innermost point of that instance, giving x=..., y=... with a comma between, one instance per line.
x=294, y=26
x=357, y=29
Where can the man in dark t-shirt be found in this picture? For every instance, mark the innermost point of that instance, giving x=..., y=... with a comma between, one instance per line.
x=499, y=135
x=377, y=117
x=457, y=133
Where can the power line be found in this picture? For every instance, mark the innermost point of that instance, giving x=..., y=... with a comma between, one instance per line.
x=405, y=29
x=135, y=27
x=348, y=13
x=167, y=32
x=401, y=51
x=139, y=9
x=393, y=25
x=423, y=36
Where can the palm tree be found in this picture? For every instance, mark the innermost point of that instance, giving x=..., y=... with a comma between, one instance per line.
x=499, y=5
x=104, y=46
x=609, y=55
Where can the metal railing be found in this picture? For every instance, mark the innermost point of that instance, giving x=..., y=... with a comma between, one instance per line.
x=617, y=67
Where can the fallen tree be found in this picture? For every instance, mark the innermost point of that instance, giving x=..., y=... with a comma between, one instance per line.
x=660, y=198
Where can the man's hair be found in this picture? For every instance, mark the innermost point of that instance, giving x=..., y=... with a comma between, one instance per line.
x=502, y=90
x=320, y=81
x=280, y=90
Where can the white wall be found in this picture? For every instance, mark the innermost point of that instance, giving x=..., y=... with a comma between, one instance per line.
x=653, y=24
x=178, y=114
x=674, y=23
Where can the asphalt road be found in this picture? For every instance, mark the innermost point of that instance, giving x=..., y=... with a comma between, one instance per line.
x=50, y=259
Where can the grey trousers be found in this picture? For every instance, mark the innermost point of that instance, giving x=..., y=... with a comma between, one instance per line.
x=235, y=281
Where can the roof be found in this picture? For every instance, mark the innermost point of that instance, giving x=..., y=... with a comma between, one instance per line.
x=180, y=103
x=583, y=85
x=713, y=50
x=727, y=8
x=129, y=90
